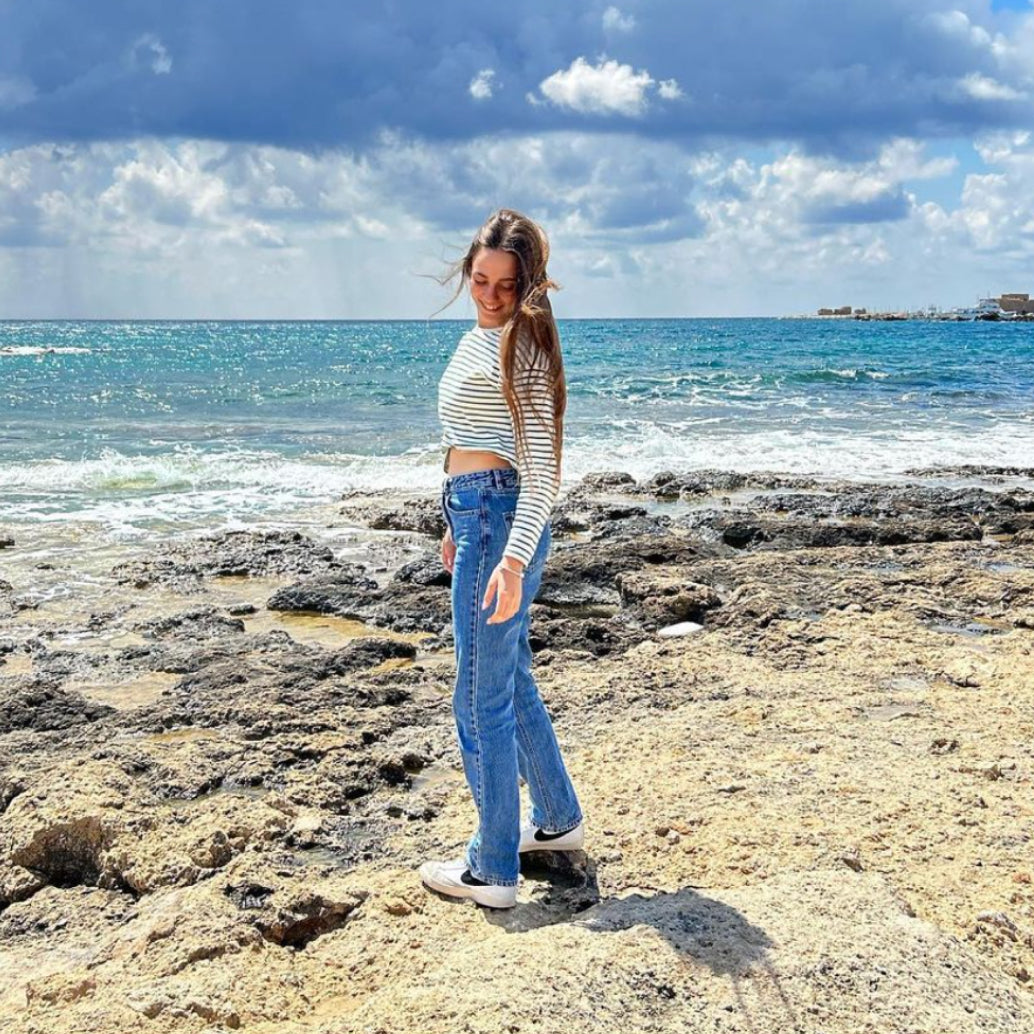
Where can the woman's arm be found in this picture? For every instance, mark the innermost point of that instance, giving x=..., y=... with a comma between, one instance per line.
x=539, y=473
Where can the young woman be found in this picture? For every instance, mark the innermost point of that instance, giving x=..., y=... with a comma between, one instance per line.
x=501, y=403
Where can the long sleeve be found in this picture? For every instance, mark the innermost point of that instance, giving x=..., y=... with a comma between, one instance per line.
x=539, y=474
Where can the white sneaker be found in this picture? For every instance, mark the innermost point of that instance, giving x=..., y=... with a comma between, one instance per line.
x=533, y=838
x=448, y=878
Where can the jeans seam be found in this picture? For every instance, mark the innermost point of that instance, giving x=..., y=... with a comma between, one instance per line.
x=534, y=765
x=445, y=514
x=475, y=653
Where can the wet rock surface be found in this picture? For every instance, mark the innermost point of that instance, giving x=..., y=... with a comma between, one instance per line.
x=39, y=704
x=814, y=813
x=183, y=564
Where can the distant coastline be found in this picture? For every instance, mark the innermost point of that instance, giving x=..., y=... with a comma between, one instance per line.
x=1006, y=308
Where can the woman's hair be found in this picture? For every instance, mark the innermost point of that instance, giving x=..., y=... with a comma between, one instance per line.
x=532, y=322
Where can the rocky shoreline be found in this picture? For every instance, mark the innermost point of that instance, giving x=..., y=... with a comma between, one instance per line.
x=799, y=714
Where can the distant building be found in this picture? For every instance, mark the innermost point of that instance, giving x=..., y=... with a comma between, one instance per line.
x=1016, y=303
x=844, y=310
x=861, y=312
x=825, y=312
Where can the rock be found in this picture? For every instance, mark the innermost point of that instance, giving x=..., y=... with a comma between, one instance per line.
x=241, y=851
x=38, y=703
x=60, y=989
x=90, y=825
x=606, y=481
x=401, y=605
x=197, y=623
x=581, y=636
x=394, y=905
x=671, y=485
x=290, y=913
x=744, y=530
x=1002, y=922
x=183, y=564
x=852, y=859
x=609, y=521
x=426, y=570
x=665, y=595
x=971, y=470
x=1024, y=618
x=419, y=515
x=586, y=574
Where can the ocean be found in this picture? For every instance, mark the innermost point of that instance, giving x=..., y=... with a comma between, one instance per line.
x=137, y=429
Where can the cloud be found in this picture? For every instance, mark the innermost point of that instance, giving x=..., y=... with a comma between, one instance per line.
x=481, y=84
x=615, y=21
x=151, y=196
x=836, y=78
x=151, y=50
x=995, y=215
x=224, y=146
x=983, y=88
x=814, y=191
x=606, y=88
x=803, y=219
x=205, y=228
x=148, y=198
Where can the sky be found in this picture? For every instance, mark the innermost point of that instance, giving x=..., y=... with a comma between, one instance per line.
x=326, y=159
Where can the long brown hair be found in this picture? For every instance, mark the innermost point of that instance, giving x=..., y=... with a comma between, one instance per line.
x=532, y=322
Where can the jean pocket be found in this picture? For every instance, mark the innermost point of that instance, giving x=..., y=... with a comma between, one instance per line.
x=463, y=502
x=508, y=519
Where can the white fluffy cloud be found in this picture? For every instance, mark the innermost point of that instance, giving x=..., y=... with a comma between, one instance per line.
x=984, y=88
x=686, y=157
x=606, y=88
x=195, y=228
x=481, y=85
x=995, y=216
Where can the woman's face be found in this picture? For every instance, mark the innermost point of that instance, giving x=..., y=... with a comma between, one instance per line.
x=493, y=285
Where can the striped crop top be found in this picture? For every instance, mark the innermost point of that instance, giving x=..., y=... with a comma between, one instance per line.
x=474, y=415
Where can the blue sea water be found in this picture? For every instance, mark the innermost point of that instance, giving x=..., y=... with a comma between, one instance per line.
x=138, y=426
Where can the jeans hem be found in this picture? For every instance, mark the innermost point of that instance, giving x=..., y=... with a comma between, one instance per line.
x=550, y=829
x=494, y=883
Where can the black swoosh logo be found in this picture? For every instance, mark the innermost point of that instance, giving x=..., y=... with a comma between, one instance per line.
x=543, y=835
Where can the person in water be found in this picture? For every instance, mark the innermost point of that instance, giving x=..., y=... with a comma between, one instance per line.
x=501, y=403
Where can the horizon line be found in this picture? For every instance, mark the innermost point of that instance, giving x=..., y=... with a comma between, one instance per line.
x=373, y=319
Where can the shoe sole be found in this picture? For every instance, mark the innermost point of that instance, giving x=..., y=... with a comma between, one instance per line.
x=460, y=893
x=468, y=897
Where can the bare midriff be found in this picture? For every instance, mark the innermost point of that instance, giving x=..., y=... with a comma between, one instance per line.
x=463, y=461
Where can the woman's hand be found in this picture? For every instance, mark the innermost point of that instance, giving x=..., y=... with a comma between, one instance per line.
x=507, y=585
x=448, y=550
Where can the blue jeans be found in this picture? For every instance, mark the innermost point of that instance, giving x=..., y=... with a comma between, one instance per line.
x=501, y=722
